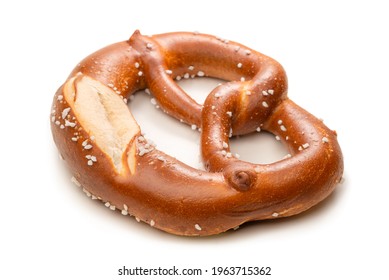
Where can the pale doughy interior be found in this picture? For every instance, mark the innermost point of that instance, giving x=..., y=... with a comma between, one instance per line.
x=103, y=115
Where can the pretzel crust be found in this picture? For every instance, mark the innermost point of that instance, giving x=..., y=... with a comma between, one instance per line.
x=103, y=146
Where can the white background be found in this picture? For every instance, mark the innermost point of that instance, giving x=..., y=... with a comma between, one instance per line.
x=336, y=57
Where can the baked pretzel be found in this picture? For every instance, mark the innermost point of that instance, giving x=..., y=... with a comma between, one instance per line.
x=110, y=158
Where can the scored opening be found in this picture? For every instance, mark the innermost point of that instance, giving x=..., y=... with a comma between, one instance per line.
x=182, y=142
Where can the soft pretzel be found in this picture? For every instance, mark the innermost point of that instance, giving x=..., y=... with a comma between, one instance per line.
x=110, y=158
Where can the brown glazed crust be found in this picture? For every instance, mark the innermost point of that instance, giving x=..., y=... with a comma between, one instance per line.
x=139, y=180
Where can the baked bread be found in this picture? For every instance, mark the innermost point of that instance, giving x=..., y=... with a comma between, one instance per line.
x=104, y=148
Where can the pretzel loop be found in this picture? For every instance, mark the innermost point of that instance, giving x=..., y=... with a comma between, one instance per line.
x=104, y=148
x=231, y=99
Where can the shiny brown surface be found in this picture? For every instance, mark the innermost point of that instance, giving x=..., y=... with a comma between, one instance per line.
x=170, y=195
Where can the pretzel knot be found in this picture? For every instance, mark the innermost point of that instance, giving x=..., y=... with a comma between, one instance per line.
x=102, y=143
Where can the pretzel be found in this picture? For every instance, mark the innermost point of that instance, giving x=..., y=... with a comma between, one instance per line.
x=113, y=161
